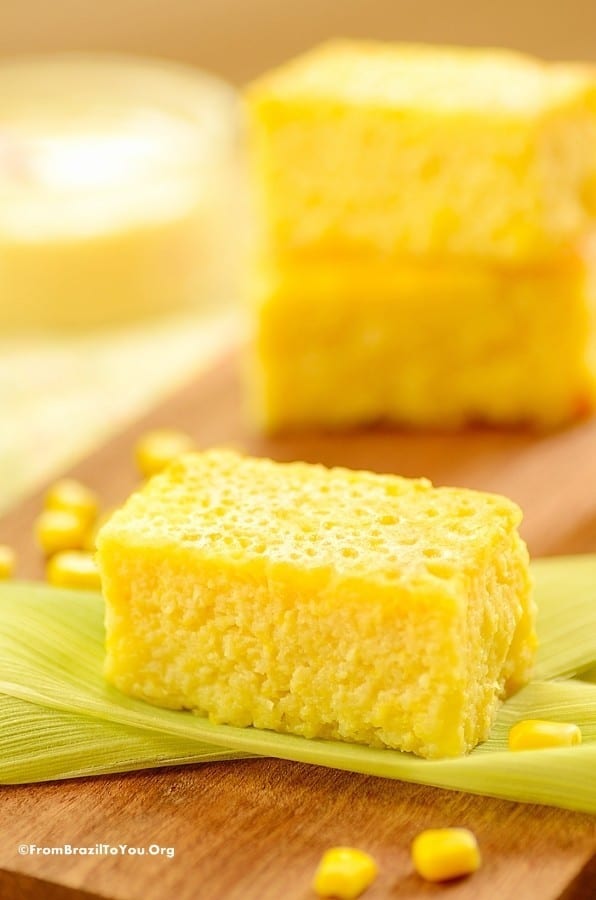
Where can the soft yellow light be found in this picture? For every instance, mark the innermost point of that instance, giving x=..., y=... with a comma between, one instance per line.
x=115, y=187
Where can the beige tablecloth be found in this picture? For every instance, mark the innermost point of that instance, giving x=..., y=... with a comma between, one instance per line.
x=60, y=396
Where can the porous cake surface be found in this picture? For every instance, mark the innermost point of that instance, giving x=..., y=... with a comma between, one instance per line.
x=325, y=603
x=391, y=149
x=422, y=345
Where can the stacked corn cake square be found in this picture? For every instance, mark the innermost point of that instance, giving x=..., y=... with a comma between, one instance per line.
x=423, y=252
x=320, y=602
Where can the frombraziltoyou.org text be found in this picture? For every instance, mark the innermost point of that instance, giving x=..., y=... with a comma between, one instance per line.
x=96, y=850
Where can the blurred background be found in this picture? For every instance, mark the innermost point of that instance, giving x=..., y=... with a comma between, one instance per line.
x=239, y=38
x=61, y=392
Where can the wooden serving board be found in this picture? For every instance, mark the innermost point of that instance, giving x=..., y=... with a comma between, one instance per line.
x=255, y=829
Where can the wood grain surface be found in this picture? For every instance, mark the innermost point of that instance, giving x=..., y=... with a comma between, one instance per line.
x=256, y=828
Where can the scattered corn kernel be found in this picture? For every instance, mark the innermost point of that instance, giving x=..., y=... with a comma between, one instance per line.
x=157, y=448
x=7, y=562
x=73, y=569
x=537, y=734
x=60, y=529
x=344, y=872
x=72, y=496
x=440, y=854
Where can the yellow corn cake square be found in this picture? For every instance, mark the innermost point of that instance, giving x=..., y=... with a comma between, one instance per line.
x=325, y=603
x=341, y=344
x=376, y=149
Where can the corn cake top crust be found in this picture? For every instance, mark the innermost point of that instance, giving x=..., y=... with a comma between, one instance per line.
x=414, y=152
x=381, y=528
x=426, y=79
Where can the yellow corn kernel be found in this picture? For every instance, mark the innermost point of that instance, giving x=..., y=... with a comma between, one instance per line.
x=537, y=734
x=344, y=872
x=440, y=854
x=7, y=562
x=157, y=448
x=73, y=569
x=72, y=496
x=60, y=529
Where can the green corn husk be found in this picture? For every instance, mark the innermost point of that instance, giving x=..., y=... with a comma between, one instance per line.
x=51, y=655
x=74, y=745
